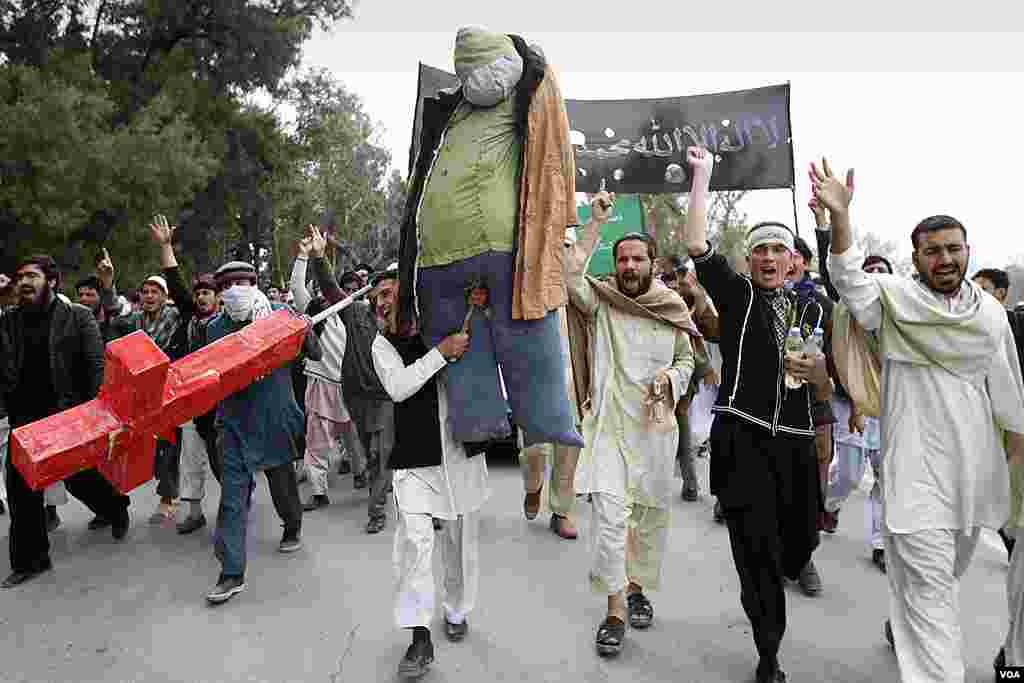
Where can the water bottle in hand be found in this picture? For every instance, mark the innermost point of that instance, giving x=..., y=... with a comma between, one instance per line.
x=794, y=345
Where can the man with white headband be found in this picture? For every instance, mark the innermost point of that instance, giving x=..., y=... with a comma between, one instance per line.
x=764, y=470
x=262, y=425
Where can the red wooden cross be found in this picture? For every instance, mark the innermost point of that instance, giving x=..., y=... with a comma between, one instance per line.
x=145, y=395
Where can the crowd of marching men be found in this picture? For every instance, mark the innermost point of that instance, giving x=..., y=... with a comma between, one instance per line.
x=788, y=441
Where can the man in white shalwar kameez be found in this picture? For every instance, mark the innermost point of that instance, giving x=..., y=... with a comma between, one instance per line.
x=433, y=477
x=951, y=385
x=641, y=360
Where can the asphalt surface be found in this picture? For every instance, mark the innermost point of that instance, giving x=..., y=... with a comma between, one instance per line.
x=135, y=610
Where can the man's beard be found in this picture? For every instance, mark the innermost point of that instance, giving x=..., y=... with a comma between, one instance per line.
x=930, y=282
x=39, y=299
x=645, y=285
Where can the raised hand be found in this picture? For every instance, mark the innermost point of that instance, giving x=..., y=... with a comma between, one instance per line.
x=162, y=232
x=318, y=243
x=105, y=270
x=601, y=207
x=306, y=242
x=829, y=190
x=701, y=161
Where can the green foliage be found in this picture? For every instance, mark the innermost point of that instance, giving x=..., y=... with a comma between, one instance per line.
x=74, y=170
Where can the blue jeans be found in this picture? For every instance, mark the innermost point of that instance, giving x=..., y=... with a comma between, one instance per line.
x=528, y=351
x=237, y=485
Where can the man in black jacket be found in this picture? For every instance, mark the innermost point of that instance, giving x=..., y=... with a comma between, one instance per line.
x=764, y=469
x=51, y=359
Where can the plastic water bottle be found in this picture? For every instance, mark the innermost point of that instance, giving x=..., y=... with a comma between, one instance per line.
x=794, y=345
x=815, y=343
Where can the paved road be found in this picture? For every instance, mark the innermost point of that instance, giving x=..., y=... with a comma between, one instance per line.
x=134, y=611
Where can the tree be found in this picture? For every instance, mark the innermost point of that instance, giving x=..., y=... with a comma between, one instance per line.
x=75, y=177
x=166, y=81
x=727, y=225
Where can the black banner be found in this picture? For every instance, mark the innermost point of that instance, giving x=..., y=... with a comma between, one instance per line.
x=640, y=145
x=430, y=82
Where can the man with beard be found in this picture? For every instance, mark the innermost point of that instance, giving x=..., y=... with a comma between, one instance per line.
x=51, y=359
x=198, y=438
x=638, y=334
x=763, y=466
x=951, y=385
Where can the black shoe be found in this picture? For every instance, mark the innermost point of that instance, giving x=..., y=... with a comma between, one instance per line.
x=227, y=587
x=19, y=577
x=809, y=579
x=191, y=523
x=887, y=630
x=641, y=612
x=290, y=541
x=376, y=525
x=97, y=523
x=359, y=481
x=455, y=632
x=610, y=635
x=1000, y=661
x=1008, y=542
x=316, y=502
x=878, y=559
x=719, y=514
x=417, y=659
x=344, y=467
x=768, y=671
x=119, y=526
x=690, y=493
x=52, y=518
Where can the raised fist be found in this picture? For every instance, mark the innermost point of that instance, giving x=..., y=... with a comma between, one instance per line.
x=601, y=207
x=701, y=161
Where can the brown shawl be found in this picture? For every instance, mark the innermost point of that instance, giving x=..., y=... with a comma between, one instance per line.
x=658, y=303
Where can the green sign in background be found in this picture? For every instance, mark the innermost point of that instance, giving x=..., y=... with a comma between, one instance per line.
x=627, y=216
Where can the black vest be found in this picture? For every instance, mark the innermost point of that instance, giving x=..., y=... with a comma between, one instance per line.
x=417, y=420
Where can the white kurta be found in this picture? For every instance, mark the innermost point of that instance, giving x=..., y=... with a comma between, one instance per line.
x=459, y=484
x=626, y=353
x=942, y=449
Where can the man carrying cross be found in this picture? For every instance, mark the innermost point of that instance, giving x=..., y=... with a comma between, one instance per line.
x=51, y=359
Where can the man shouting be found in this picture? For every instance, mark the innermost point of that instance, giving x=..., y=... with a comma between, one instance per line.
x=638, y=334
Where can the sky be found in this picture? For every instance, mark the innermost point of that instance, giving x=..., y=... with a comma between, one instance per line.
x=930, y=121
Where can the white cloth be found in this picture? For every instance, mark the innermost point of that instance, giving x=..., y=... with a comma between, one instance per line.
x=844, y=476
x=627, y=544
x=924, y=570
x=626, y=353
x=942, y=450
x=55, y=494
x=414, y=575
x=245, y=302
x=332, y=339
x=1014, y=645
x=459, y=484
x=194, y=462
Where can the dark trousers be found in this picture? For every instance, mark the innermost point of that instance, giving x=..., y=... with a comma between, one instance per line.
x=167, y=467
x=233, y=516
x=29, y=543
x=768, y=488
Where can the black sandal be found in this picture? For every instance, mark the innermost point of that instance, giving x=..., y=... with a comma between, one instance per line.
x=641, y=612
x=610, y=635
